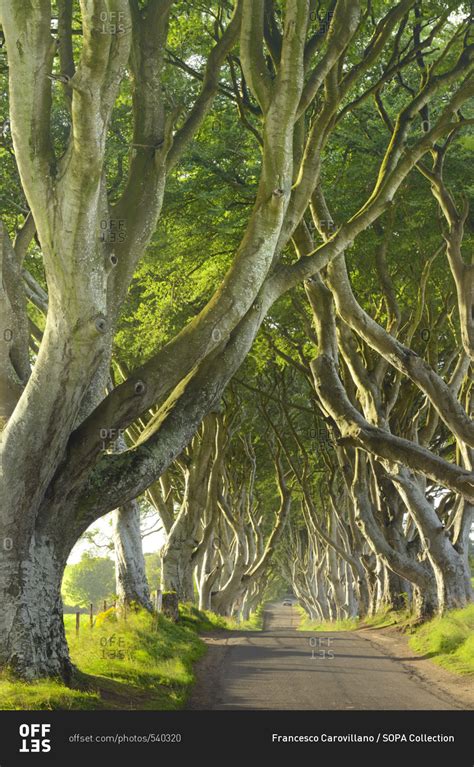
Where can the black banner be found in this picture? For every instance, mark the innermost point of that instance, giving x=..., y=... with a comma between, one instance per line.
x=214, y=737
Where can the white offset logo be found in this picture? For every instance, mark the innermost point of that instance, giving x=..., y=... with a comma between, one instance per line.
x=33, y=738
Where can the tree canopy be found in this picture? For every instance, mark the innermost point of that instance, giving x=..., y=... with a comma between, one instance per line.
x=236, y=283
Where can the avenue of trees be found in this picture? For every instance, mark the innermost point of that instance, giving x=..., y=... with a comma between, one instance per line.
x=237, y=294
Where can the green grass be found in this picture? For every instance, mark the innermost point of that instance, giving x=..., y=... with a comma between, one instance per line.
x=385, y=618
x=44, y=695
x=348, y=624
x=201, y=620
x=254, y=623
x=204, y=620
x=142, y=662
x=382, y=619
x=448, y=640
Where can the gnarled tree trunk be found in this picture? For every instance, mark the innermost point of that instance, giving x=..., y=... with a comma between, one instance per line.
x=32, y=636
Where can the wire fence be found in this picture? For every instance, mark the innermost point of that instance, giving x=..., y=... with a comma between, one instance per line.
x=91, y=615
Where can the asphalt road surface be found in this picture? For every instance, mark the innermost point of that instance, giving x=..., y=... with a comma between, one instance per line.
x=282, y=668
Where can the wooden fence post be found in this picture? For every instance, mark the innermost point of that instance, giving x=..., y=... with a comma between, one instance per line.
x=78, y=622
x=91, y=615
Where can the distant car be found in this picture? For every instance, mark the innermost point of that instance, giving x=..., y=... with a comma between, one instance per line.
x=287, y=603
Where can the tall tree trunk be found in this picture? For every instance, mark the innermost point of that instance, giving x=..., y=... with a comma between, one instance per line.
x=350, y=597
x=177, y=568
x=420, y=574
x=322, y=596
x=207, y=579
x=32, y=637
x=130, y=573
x=448, y=564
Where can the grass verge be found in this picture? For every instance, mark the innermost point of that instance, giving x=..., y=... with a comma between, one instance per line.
x=143, y=662
x=348, y=624
x=403, y=619
x=204, y=620
x=448, y=640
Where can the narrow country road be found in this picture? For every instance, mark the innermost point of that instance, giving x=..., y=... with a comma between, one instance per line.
x=282, y=668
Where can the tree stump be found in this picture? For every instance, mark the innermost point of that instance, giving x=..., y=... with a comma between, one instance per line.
x=169, y=606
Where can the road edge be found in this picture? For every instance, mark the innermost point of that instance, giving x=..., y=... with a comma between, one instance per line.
x=456, y=688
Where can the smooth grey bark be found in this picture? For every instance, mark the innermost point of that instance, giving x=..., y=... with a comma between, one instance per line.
x=130, y=574
x=332, y=395
x=453, y=588
x=208, y=575
x=176, y=568
x=67, y=199
x=188, y=532
x=14, y=331
x=402, y=563
x=250, y=563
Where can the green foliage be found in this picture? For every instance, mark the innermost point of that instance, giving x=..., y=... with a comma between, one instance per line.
x=448, y=640
x=90, y=580
x=277, y=588
x=153, y=570
x=206, y=207
x=106, y=616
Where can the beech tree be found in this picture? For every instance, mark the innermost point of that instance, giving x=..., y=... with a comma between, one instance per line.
x=299, y=70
